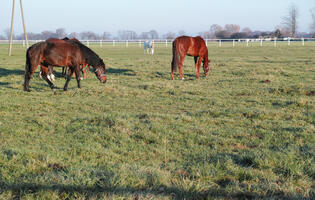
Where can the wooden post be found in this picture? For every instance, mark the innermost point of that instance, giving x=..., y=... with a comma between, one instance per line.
x=220, y=43
x=275, y=42
x=233, y=43
x=11, y=32
x=25, y=34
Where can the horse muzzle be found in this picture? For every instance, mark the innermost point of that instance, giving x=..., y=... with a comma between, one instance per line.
x=103, y=79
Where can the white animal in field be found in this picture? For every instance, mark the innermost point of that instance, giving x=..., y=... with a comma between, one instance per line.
x=148, y=47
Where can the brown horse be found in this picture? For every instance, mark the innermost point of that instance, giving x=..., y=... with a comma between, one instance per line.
x=85, y=68
x=191, y=46
x=61, y=53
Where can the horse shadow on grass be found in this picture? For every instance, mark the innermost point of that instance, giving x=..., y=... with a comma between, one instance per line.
x=127, y=72
x=8, y=72
x=167, y=75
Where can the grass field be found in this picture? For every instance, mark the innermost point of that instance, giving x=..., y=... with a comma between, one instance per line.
x=244, y=132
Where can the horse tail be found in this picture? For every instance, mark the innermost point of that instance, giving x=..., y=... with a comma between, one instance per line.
x=27, y=71
x=175, y=57
x=33, y=56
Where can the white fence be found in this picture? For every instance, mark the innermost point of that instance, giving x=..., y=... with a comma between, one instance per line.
x=167, y=42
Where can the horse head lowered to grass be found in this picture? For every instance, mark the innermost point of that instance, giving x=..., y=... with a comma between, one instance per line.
x=60, y=53
x=191, y=46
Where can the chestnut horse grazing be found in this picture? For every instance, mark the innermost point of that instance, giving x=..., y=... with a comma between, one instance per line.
x=61, y=53
x=191, y=46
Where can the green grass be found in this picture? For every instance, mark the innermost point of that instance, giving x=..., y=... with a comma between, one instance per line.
x=246, y=131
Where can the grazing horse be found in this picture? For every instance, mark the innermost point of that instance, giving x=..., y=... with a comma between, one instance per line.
x=148, y=47
x=61, y=53
x=191, y=46
x=84, y=67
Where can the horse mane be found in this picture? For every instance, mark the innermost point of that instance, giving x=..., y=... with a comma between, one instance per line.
x=91, y=58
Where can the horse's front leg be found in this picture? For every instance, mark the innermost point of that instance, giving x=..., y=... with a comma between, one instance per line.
x=44, y=73
x=198, y=66
x=68, y=78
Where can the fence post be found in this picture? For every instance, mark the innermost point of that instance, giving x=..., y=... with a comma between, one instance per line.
x=302, y=41
x=101, y=43
x=233, y=43
x=87, y=43
x=206, y=42
x=23, y=43
x=166, y=42
x=275, y=42
x=113, y=43
x=247, y=40
x=139, y=43
x=261, y=42
x=126, y=43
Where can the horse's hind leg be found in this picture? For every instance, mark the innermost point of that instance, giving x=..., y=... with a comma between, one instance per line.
x=51, y=75
x=30, y=67
x=77, y=75
x=180, y=66
x=68, y=78
x=45, y=72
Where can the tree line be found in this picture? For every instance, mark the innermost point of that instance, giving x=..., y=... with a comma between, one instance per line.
x=288, y=28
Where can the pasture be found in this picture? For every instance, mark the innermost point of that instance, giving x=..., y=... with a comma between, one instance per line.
x=246, y=131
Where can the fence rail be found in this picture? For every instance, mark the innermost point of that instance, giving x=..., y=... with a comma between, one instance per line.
x=167, y=42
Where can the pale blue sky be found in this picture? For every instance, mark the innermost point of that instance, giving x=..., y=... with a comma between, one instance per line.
x=192, y=16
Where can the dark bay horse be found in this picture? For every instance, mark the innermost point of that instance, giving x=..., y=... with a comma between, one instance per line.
x=191, y=46
x=60, y=53
x=85, y=68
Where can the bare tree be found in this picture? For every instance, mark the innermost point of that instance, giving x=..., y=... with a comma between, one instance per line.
x=290, y=21
x=247, y=30
x=232, y=28
x=169, y=35
x=214, y=29
x=61, y=32
x=127, y=34
x=106, y=35
x=205, y=34
x=144, y=35
x=154, y=34
x=7, y=34
x=47, y=34
x=74, y=35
